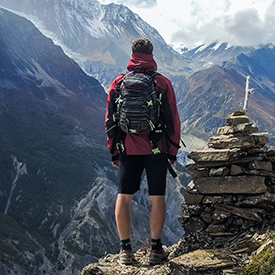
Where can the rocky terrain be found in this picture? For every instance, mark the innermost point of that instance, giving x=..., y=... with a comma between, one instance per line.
x=228, y=210
x=236, y=252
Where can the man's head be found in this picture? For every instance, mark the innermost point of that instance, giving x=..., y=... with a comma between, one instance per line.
x=142, y=45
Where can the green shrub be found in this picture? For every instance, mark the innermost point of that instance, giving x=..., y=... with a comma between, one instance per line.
x=262, y=264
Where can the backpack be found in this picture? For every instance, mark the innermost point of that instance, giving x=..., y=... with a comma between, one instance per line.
x=138, y=106
x=138, y=109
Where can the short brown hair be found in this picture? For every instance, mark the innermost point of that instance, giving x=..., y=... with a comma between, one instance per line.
x=142, y=45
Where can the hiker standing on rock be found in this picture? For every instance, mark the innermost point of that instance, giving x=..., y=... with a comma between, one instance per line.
x=143, y=132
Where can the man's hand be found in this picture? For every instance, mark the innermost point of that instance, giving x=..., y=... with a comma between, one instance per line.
x=115, y=163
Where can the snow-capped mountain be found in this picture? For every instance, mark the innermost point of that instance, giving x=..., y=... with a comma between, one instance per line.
x=207, y=55
x=52, y=122
x=217, y=88
x=97, y=36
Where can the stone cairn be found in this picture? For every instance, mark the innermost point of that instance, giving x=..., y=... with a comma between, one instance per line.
x=233, y=185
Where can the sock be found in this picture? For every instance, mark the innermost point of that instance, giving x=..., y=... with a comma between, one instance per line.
x=125, y=244
x=156, y=244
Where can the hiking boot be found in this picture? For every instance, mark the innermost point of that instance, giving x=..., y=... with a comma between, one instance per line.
x=126, y=257
x=156, y=256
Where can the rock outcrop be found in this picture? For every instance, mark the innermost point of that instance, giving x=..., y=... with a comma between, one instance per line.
x=222, y=261
x=228, y=209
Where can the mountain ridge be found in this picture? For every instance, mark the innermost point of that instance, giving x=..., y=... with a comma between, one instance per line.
x=100, y=55
x=52, y=119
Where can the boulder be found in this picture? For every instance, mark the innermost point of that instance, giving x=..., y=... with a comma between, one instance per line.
x=201, y=262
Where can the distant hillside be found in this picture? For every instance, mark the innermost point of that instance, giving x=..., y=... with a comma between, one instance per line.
x=209, y=95
x=52, y=121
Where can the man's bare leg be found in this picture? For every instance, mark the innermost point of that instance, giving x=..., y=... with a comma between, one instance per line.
x=158, y=215
x=157, y=219
x=123, y=216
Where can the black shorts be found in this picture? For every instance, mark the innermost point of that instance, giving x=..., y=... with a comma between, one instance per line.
x=131, y=168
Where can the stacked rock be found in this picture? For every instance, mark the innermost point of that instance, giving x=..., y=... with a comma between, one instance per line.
x=233, y=182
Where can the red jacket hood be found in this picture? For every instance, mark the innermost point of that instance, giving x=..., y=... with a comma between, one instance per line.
x=141, y=62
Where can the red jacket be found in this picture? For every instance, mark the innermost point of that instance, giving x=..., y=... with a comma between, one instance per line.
x=140, y=145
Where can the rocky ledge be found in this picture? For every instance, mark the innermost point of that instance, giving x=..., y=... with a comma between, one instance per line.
x=224, y=261
x=228, y=213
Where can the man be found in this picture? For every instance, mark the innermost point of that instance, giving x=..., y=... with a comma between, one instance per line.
x=138, y=155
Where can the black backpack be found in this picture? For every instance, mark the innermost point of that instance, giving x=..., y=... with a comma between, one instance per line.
x=138, y=105
x=138, y=109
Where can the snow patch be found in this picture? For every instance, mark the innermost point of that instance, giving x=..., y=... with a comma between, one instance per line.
x=217, y=46
x=202, y=47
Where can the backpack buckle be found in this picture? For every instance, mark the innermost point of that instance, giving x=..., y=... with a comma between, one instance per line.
x=120, y=148
x=156, y=151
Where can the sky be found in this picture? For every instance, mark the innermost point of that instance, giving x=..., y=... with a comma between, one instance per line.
x=195, y=22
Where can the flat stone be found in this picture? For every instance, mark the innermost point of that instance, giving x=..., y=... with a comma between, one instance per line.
x=246, y=128
x=258, y=150
x=201, y=262
x=192, y=198
x=261, y=165
x=266, y=200
x=260, y=139
x=238, y=113
x=235, y=120
x=210, y=154
x=212, y=199
x=231, y=185
x=231, y=141
x=220, y=216
x=236, y=170
x=269, y=174
x=215, y=228
x=254, y=214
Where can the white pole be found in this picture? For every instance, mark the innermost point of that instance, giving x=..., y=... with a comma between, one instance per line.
x=247, y=92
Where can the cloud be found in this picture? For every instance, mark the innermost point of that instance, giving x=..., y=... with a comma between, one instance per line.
x=245, y=28
x=194, y=22
x=251, y=25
